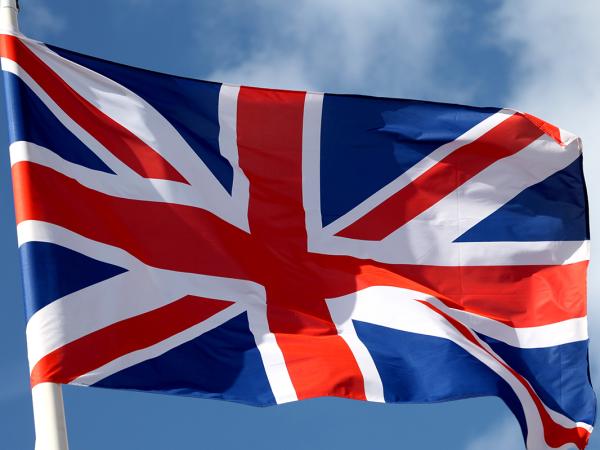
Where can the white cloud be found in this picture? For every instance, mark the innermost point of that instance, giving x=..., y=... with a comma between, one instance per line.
x=390, y=47
x=383, y=47
x=557, y=76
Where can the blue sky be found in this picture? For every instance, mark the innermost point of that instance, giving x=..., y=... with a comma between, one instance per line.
x=538, y=56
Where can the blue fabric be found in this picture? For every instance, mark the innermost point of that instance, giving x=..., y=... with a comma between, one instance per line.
x=558, y=374
x=367, y=142
x=416, y=368
x=191, y=106
x=223, y=363
x=554, y=209
x=52, y=271
x=421, y=368
x=32, y=121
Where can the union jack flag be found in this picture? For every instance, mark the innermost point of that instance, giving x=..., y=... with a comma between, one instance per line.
x=265, y=246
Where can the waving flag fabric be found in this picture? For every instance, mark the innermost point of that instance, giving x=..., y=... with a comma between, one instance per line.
x=264, y=246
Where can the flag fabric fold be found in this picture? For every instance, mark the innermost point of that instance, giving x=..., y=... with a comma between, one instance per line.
x=265, y=246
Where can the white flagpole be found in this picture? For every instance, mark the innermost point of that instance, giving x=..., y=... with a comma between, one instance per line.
x=49, y=417
x=48, y=408
x=8, y=20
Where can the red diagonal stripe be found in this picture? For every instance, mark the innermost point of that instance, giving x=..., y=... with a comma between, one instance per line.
x=555, y=434
x=168, y=236
x=506, y=139
x=519, y=296
x=189, y=239
x=551, y=130
x=117, y=139
x=96, y=349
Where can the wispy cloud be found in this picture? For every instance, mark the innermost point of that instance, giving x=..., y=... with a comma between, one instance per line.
x=385, y=47
x=554, y=49
x=39, y=20
x=556, y=76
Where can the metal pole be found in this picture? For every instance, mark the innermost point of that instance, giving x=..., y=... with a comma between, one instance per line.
x=8, y=15
x=48, y=407
x=49, y=417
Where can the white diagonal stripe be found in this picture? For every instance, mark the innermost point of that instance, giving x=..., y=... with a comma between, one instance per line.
x=110, y=301
x=271, y=354
x=400, y=309
x=429, y=238
x=138, y=356
x=417, y=170
x=135, y=114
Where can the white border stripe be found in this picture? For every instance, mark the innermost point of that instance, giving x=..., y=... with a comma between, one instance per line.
x=114, y=185
x=371, y=303
x=311, y=163
x=107, y=157
x=136, y=357
x=272, y=356
x=204, y=190
x=512, y=253
x=429, y=238
x=109, y=301
x=228, y=96
x=418, y=169
x=400, y=309
x=372, y=380
x=105, y=303
x=559, y=333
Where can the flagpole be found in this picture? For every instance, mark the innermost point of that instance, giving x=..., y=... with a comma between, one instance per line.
x=48, y=406
x=8, y=18
x=49, y=417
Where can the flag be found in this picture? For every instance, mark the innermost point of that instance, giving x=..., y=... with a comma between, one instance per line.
x=264, y=246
